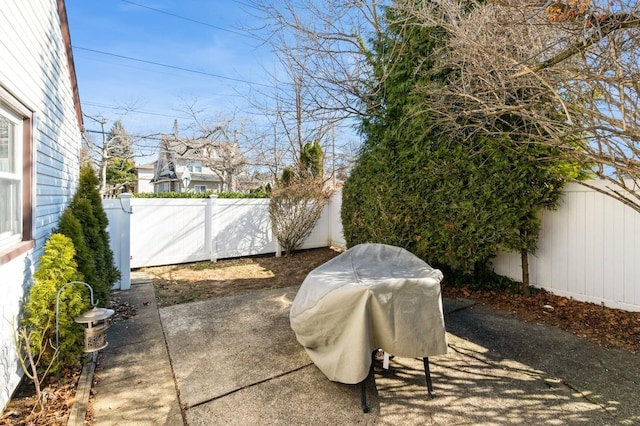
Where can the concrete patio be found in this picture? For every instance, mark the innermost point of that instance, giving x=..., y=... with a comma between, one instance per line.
x=235, y=361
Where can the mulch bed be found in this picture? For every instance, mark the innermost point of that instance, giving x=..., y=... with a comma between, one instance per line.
x=606, y=327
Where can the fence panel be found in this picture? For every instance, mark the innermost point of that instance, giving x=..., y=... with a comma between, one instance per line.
x=589, y=249
x=172, y=231
x=167, y=231
x=118, y=211
x=335, y=221
x=241, y=228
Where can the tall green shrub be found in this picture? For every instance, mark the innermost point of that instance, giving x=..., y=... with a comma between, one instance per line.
x=70, y=226
x=312, y=160
x=87, y=208
x=56, y=268
x=453, y=197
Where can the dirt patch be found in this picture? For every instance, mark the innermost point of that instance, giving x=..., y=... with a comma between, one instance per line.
x=202, y=280
x=23, y=409
x=606, y=327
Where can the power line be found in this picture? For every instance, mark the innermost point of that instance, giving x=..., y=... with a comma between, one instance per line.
x=134, y=111
x=191, y=20
x=153, y=137
x=129, y=58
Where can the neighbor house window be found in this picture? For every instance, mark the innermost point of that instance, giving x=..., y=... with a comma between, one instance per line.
x=194, y=167
x=15, y=177
x=201, y=189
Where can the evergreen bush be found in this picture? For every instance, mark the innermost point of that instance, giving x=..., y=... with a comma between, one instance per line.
x=56, y=268
x=87, y=209
x=70, y=226
x=449, y=195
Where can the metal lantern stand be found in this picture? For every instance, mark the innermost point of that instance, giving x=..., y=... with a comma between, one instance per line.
x=95, y=333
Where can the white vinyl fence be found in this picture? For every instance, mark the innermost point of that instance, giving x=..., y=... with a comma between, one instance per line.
x=589, y=248
x=166, y=231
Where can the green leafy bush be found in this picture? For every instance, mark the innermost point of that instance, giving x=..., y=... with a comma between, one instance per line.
x=56, y=268
x=450, y=195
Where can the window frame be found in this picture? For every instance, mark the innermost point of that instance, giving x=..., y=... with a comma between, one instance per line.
x=26, y=242
x=195, y=167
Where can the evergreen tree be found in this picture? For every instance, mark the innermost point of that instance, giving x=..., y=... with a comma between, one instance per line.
x=312, y=160
x=70, y=226
x=120, y=170
x=87, y=208
x=453, y=198
x=121, y=173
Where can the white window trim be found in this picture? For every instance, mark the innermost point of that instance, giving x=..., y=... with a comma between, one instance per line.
x=27, y=149
x=14, y=235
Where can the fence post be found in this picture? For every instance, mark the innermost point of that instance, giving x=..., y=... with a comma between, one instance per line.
x=210, y=234
x=125, y=241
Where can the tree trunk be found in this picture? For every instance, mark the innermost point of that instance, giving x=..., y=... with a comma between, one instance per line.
x=524, y=257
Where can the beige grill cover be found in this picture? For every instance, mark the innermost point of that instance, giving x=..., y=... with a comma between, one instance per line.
x=371, y=296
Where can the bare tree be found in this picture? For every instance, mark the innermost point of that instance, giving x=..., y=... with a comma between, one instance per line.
x=326, y=42
x=567, y=71
x=113, y=152
x=324, y=65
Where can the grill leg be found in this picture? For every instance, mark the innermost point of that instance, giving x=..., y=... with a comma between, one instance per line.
x=363, y=396
x=427, y=374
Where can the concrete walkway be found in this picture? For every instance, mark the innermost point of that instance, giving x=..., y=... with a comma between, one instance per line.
x=235, y=361
x=135, y=380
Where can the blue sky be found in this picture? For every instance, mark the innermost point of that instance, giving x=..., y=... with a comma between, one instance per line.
x=207, y=37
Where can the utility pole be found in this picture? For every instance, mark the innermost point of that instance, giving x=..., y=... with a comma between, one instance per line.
x=104, y=159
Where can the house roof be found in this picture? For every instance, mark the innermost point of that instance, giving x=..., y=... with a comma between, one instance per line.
x=151, y=166
x=66, y=37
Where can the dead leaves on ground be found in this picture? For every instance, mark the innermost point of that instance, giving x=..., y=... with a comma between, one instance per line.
x=606, y=327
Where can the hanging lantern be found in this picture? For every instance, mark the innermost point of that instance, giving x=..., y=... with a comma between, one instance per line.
x=95, y=332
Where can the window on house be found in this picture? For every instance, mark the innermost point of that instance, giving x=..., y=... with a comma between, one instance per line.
x=194, y=167
x=15, y=174
x=200, y=189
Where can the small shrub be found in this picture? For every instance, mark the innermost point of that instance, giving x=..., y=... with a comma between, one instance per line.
x=56, y=268
x=294, y=211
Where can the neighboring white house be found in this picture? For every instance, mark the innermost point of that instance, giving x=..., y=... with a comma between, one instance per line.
x=144, y=175
x=40, y=139
x=182, y=167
